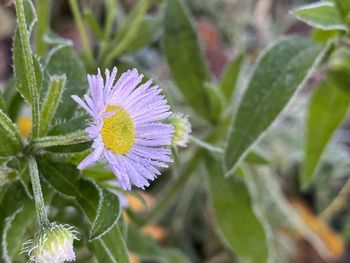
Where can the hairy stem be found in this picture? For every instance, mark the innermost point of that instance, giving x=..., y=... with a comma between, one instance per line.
x=38, y=195
x=82, y=31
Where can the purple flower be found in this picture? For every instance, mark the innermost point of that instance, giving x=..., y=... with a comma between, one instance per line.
x=126, y=128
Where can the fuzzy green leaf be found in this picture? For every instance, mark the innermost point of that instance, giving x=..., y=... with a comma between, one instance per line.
x=281, y=70
x=60, y=140
x=328, y=107
x=14, y=230
x=51, y=102
x=63, y=60
x=239, y=226
x=10, y=140
x=184, y=57
x=105, y=219
x=323, y=15
x=230, y=77
x=101, y=208
x=77, y=123
x=20, y=72
x=21, y=76
x=12, y=198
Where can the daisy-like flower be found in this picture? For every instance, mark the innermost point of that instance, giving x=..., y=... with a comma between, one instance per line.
x=126, y=127
x=52, y=245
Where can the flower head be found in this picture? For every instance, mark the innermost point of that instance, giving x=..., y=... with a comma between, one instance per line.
x=126, y=126
x=52, y=245
x=182, y=129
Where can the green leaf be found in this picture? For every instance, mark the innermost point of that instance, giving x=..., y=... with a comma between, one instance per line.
x=63, y=60
x=328, y=107
x=239, y=227
x=323, y=15
x=101, y=207
x=22, y=77
x=344, y=7
x=113, y=246
x=60, y=140
x=12, y=198
x=63, y=177
x=77, y=123
x=256, y=157
x=10, y=140
x=13, y=100
x=15, y=227
x=184, y=57
x=216, y=101
x=104, y=221
x=230, y=76
x=281, y=70
x=51, y=102
x=30, y=14
x=150, y=30
x=322, y=36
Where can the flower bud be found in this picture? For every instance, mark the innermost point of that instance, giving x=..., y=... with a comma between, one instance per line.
x=182, y=129
x=52, y=245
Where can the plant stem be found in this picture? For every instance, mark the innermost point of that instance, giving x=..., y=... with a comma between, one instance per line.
x=43, y=10
x=110, y=10
x=82, y=31
x=338, y=204
x=126, y=34
x=28, y=62
x=38, y=195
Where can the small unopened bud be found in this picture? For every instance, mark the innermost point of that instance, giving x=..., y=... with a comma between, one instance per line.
x=182, y=129
x=24, y=126
x=52, y=245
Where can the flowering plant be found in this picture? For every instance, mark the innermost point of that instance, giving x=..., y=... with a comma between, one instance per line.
x=98, y=162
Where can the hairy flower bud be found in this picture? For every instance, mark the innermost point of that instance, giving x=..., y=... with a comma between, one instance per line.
x=182, y=129
x=52, y=245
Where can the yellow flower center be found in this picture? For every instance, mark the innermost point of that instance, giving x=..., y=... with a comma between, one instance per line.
x=118, y=133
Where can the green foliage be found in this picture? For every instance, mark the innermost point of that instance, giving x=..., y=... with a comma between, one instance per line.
x=10, y=140
x=51, y=102
x=15, y=227
x=248, y=208
x=281, y=70
x=328, y=107
x=184, y=57
x=101, y=207
x=323, y=15
x=127, y=33
x=64, y=61
x=239, y=227
x=230, y=76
